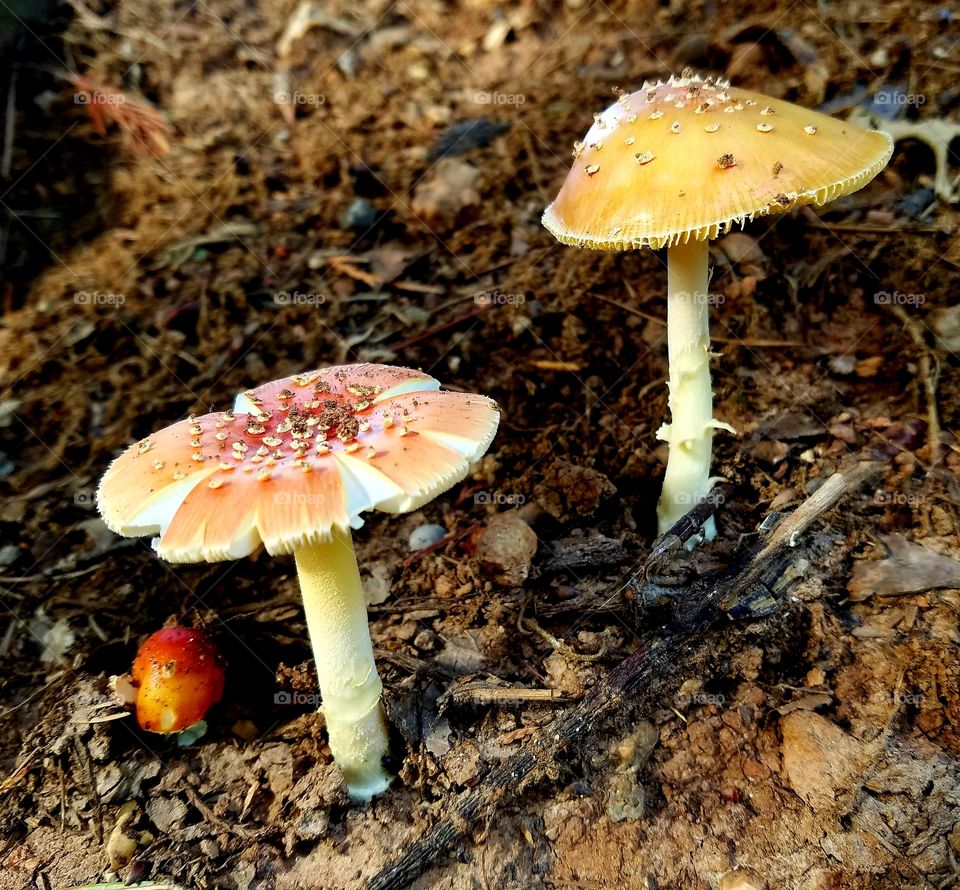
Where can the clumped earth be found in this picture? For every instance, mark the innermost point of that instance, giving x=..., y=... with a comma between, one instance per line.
x=260, y=189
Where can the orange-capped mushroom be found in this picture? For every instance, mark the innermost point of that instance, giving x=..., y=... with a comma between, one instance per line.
x=291, y=467
x=678, y=163
x=178, y=674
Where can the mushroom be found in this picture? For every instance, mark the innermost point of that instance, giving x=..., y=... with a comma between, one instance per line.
x=674, y=165
x=292, y=467
x=178, y=676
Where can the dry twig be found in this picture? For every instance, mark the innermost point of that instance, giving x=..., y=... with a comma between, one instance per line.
x=930, y=377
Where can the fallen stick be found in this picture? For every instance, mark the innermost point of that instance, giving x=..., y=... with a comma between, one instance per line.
x=788, y=532
x=929, y=372
x=637, y=670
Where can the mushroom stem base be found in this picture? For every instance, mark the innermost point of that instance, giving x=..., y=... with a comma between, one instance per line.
x=690, y=431
x=349, y=684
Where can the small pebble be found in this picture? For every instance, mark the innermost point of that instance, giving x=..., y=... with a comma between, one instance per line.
x=449, y=187
x=359, y=215
x=376, y=585
x=915, y=205
x=426, y=640
x=506, y=548
x=466, y=135
x=843, y=365
x=8, y=554
x=349, y=63
x=426, y=536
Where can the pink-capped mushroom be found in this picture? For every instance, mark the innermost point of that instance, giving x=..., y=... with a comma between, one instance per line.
x=292, y=467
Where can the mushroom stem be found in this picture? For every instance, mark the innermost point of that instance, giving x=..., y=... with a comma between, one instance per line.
x=690, y=431
x=349, y=684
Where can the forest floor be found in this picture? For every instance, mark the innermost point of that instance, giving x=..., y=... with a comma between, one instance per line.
x=306, y=194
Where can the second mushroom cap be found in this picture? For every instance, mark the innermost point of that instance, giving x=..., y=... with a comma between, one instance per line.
x=687, y=158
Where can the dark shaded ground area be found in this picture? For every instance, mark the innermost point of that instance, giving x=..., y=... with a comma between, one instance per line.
x=152, y=272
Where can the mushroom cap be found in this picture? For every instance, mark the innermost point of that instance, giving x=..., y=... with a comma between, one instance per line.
x=294, y=461
x=179, y=677
x=685, y=159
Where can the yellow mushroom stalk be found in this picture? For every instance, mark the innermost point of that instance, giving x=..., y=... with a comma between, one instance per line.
x=689, y=434
x=336, y=613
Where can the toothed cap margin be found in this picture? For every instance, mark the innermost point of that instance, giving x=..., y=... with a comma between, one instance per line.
x=689, y=158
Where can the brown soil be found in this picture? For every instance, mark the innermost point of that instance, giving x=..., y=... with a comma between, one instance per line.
x=821, y=750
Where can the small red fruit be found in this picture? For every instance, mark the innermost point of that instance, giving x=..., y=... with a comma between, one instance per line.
x=179, y=676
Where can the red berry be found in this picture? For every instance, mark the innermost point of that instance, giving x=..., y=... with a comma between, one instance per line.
x=179, y=676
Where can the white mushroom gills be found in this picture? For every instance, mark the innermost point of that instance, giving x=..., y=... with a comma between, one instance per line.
x=689, y=434
x=349, y=683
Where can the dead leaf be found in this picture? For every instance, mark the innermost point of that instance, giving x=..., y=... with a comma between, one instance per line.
x=870, y=367
x=738, y=247
x=821, y=762
x=806, y=702
x=449, y=188
x=910, y=568
x=461, y=655
x=125, y=838
x=771, y=451
x=946, y=325
x=517, y=735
